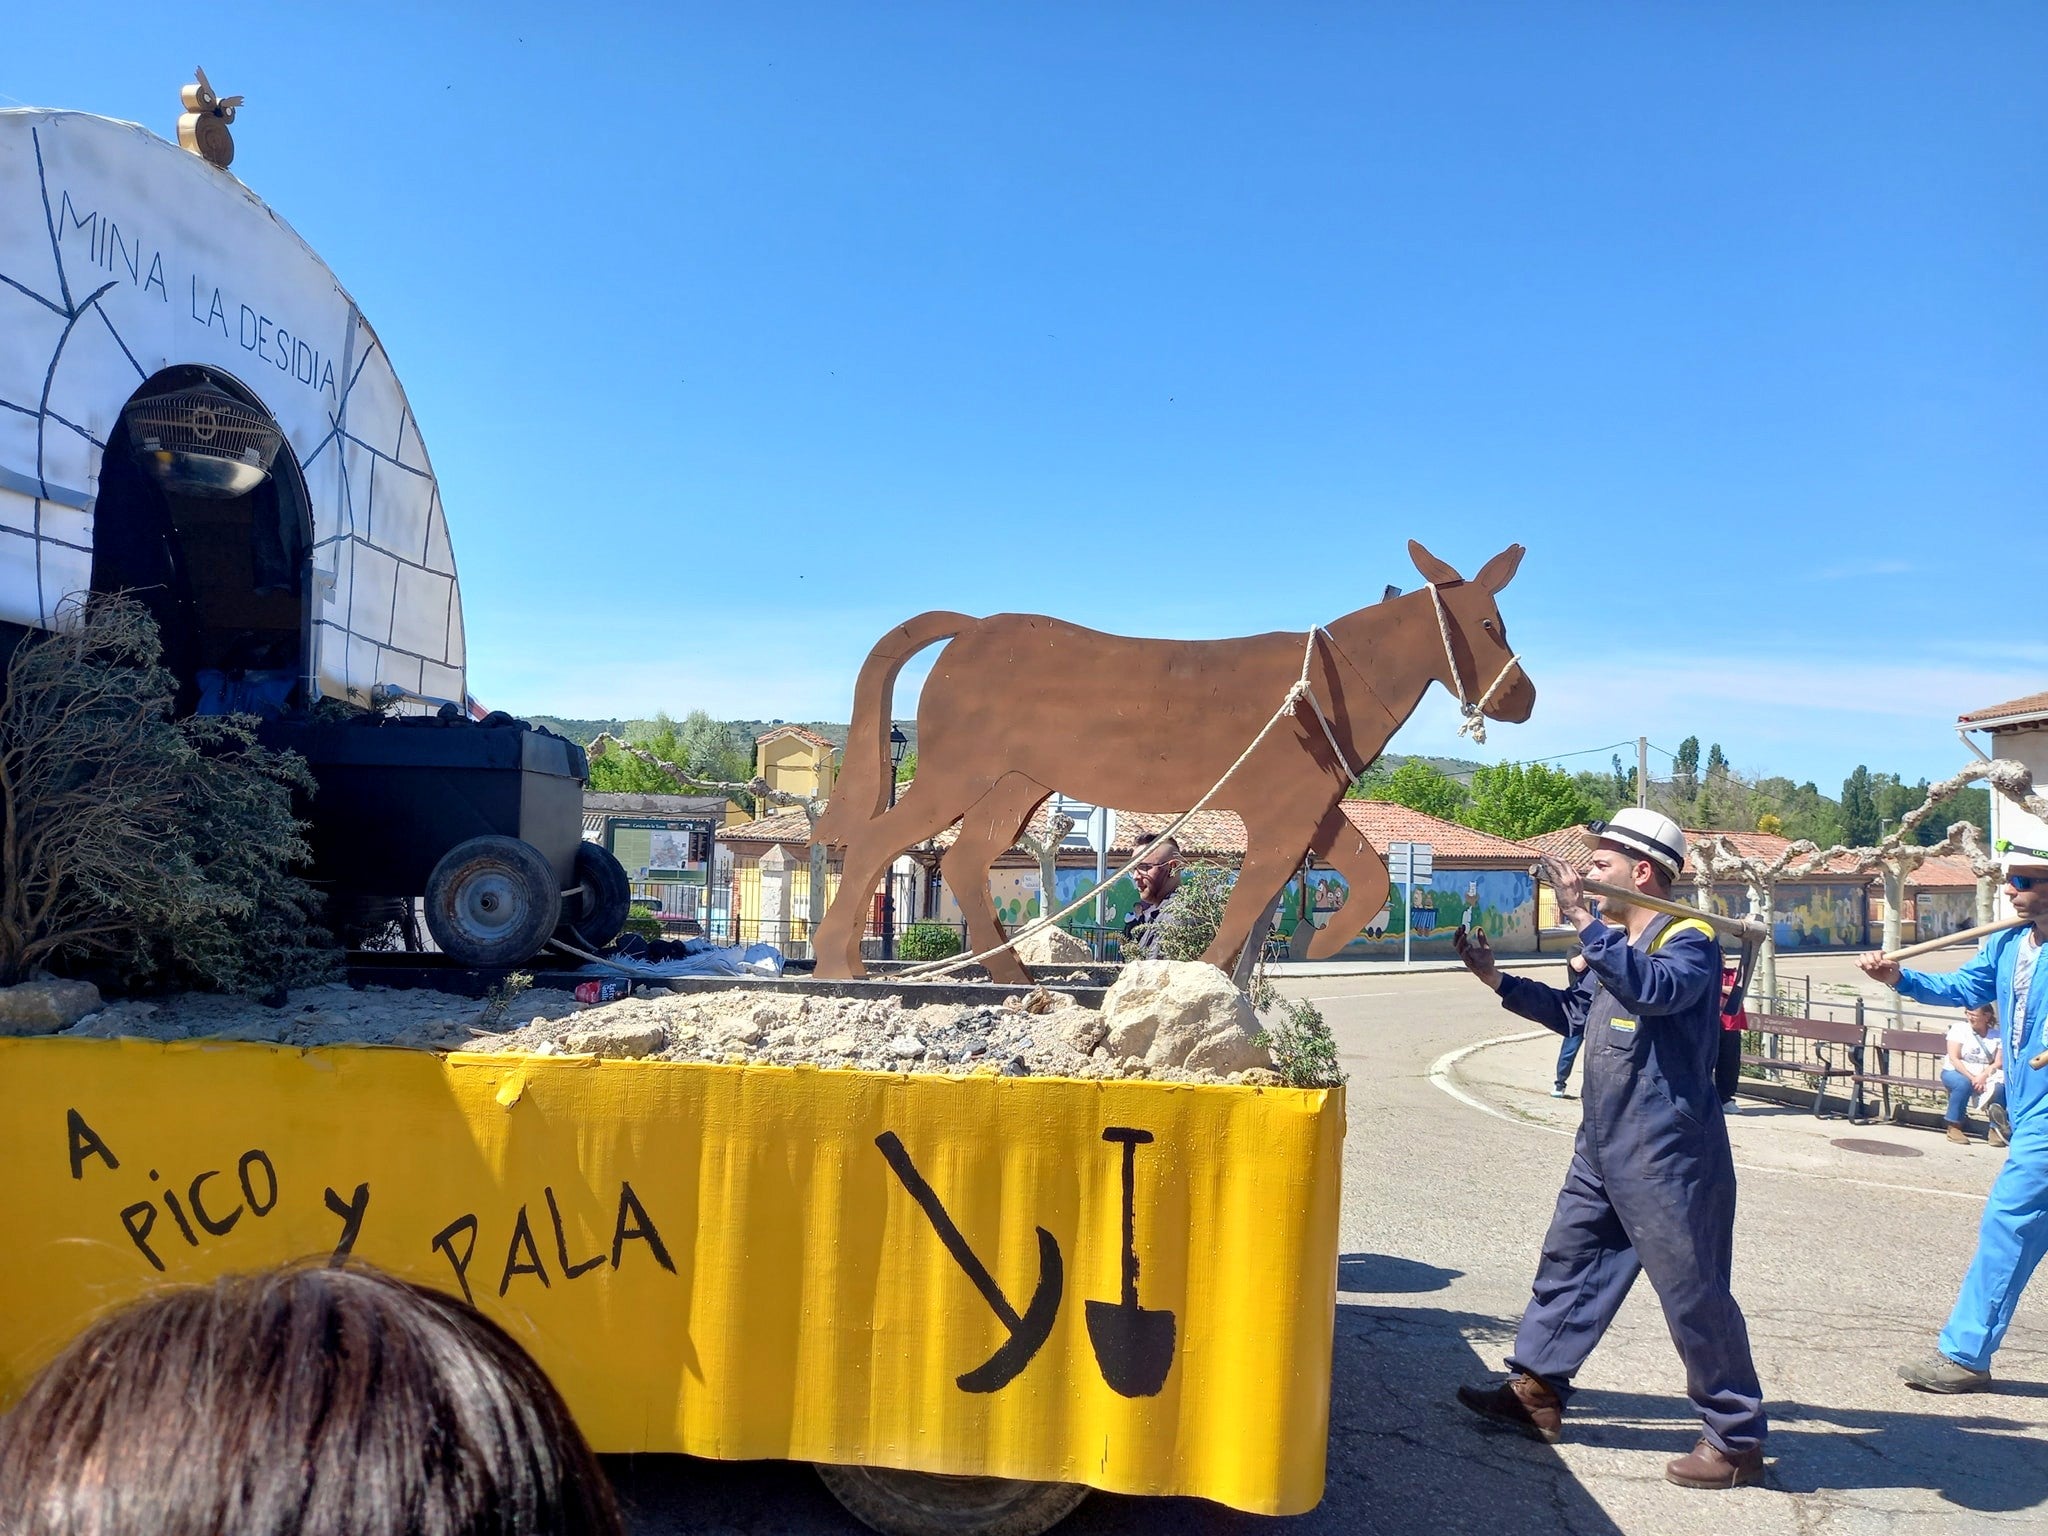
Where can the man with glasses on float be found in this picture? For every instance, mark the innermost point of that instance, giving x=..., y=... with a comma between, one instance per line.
x=2014, y=1234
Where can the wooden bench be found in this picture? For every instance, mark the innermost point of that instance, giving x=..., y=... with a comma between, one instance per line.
x=1906, y=1042
x=1827, y=1037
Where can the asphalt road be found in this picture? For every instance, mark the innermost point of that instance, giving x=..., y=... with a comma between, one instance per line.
x=1846, y=1262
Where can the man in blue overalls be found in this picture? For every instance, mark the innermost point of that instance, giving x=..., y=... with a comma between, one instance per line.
x=1651, y=1187
x=2014, y=1233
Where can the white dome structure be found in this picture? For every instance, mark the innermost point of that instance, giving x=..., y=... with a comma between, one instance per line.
x=132, y=269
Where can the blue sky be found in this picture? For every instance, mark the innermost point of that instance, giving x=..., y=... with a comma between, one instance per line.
x=739, y=334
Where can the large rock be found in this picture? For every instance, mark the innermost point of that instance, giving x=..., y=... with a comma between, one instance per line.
x=44, y=1007
x=616, y=1038
x=1053, y=946
x=1182, y=1013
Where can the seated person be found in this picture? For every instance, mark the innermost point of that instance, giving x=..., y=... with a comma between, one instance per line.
x=313, y=1400
x=1974, y=1071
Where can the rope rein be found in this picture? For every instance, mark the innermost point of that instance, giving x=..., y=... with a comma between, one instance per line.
x=1298, y=691
x=1474, y=712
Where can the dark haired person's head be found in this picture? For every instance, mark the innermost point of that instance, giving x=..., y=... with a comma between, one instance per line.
x=1157, y=874
x=298, y=1401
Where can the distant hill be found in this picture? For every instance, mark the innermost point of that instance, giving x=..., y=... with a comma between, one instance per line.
x=582, y=732
x=585, y=731
x=1460, y=768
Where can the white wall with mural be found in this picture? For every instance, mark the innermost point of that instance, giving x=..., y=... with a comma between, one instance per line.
x=1502, y=901
x=122, y=256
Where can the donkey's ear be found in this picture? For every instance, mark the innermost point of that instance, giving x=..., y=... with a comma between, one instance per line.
x=1432, y=568
x=1500, y=570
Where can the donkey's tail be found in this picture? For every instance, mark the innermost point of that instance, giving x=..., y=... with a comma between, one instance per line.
x=862, y=792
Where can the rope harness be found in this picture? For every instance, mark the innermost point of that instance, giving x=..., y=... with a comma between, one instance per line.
x=1475, y=713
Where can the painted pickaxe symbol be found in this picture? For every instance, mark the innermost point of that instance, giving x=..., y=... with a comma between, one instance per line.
x=1133, y=1344
x=1027, y=1332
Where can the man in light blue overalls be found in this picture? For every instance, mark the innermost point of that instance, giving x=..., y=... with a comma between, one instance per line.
x=2014, y=1233
x=1651, y=1187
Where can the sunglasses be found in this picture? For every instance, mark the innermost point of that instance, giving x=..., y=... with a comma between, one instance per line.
x=2024, y=882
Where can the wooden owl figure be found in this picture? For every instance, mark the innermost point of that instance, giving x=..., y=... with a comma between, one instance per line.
x=204, y=127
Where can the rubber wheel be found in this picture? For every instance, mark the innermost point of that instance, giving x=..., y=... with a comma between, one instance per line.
x=929, y=1504
x=598, y=915
x=493, y=901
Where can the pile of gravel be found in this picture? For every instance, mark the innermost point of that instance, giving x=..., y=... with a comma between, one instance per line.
x=1033, y=1034
x=333, y=1014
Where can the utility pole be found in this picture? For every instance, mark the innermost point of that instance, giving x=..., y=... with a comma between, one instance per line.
x=1643, y=772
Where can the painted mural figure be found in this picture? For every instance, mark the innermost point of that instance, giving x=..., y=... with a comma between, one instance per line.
x=1471, y=919
x=1423, y=919
x=1020, y=704
x=1376, y=926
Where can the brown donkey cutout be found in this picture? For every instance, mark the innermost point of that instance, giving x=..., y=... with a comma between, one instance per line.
x=1019, y=705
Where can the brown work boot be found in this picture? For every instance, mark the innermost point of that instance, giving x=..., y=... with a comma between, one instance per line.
x=1706, y=1465
x=1957, y=1134
x=1522, y=1402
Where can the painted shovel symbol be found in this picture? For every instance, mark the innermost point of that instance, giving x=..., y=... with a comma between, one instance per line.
x=1133, y=1344
x=1028, y=1332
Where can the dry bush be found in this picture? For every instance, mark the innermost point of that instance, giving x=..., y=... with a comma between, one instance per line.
x=160, y=851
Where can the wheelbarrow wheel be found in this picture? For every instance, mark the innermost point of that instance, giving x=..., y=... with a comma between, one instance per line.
x=493, y=901
x=898, y=1503
x=596, y=915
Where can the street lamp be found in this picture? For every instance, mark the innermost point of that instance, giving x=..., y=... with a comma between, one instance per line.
x=898, y=745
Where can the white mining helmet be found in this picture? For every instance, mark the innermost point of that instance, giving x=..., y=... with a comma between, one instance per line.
x=1655, y=836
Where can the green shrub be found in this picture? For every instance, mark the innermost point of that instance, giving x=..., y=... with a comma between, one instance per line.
x=928, y=941
x=1304, y=1051
x=1192, y=914
x=499, y=1000
x=641, y=920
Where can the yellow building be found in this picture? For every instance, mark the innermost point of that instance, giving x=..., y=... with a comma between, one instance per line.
x=796, y=761
x=774, y=906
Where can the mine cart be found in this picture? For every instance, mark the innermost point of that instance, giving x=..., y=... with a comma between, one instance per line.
x=482, y=819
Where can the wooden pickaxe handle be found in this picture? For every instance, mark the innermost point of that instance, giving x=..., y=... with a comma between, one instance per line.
x=1962, y=936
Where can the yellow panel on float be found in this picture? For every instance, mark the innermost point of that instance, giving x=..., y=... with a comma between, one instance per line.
x=1125, y=1284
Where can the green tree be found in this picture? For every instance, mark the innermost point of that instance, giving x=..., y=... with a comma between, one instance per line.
x=618, y=773
x=1972, y=805
x=1894, y=798
x=1860, y=816
x=714, y=750
x=907, y=769
x=1600, y=789
x=1807, y=814
x=1419, y=787
x=1685, y=769
x=1624, y=784
x=1517, y=800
